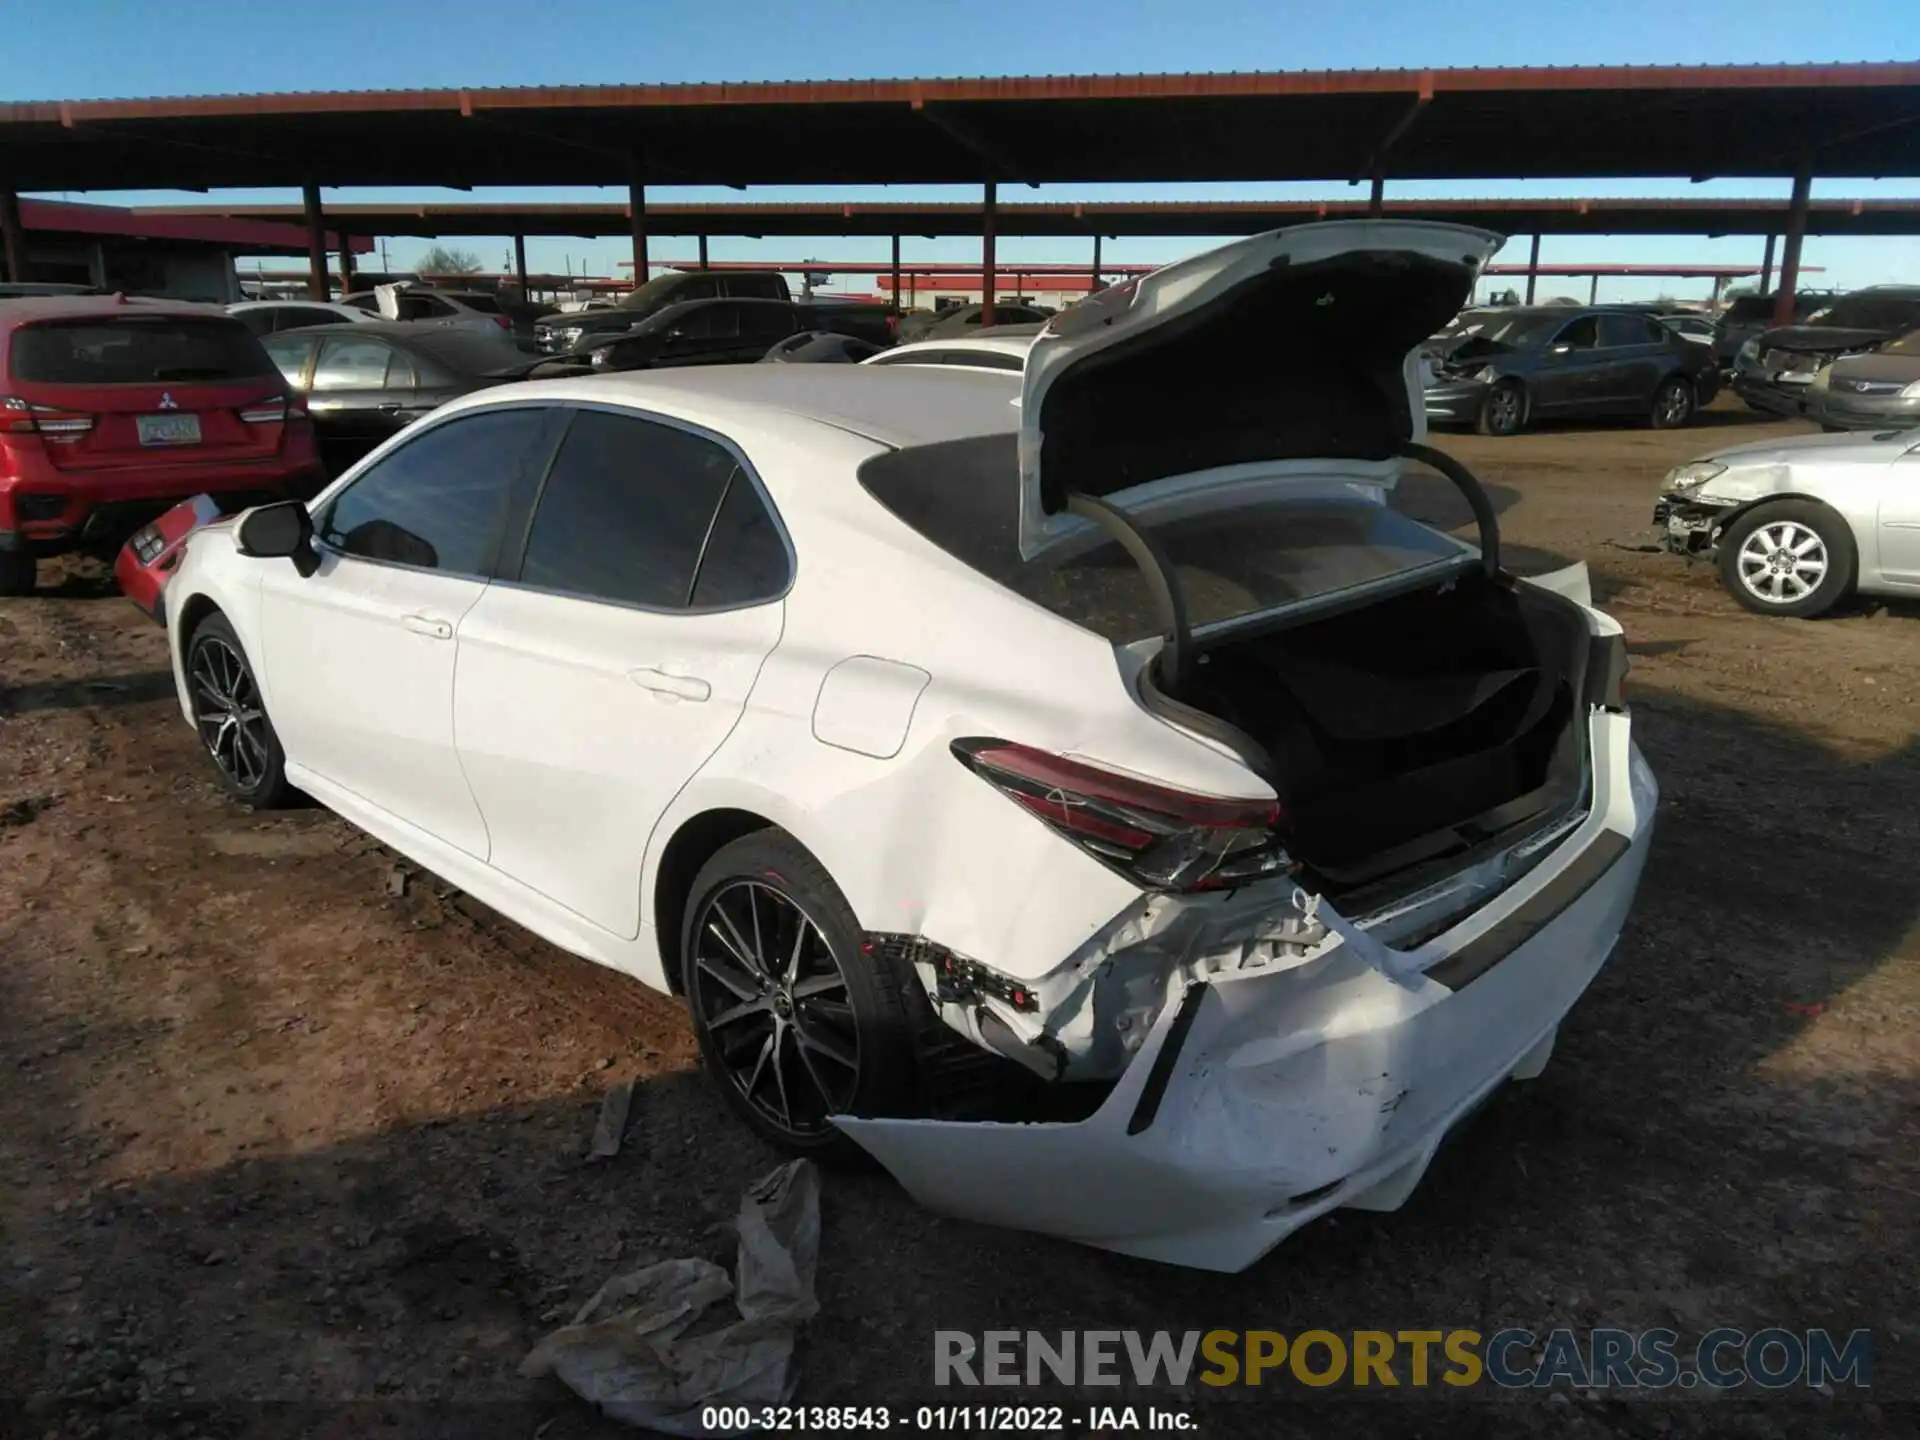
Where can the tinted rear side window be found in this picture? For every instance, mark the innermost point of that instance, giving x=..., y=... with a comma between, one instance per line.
x=135, y=350
x=485, y=304
x=745, y=560
x=626, y=510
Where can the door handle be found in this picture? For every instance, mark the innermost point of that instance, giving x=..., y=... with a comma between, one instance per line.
x=427, y=625
x=669, y=686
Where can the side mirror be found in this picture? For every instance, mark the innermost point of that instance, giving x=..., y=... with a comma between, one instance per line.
x=284, y=528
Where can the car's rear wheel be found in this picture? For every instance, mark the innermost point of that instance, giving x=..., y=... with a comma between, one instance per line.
x=795, y=1022
x=1673, y=404
x=1504, y=410
x=1791, y=558
x=17, y=572
x=231, y=717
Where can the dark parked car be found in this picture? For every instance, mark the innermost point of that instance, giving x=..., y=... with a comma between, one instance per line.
x=1549, y=362
x=363, y=382
x=722, y=332
x=820, y=347
x=1751, y=315
x=581, y=330
x=1877, y=391
x=1774, y=369
x=958, y=320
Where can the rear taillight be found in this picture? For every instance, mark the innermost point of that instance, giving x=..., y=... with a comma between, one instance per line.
x=275, y=411
x=1159, y=838
x=503, y=322
x=49, y=422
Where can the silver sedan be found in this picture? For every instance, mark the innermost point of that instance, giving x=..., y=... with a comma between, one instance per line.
x=1798, y=525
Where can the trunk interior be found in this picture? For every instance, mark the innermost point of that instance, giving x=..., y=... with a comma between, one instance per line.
x=1412, y=729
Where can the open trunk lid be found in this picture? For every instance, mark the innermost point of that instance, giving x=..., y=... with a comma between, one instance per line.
x=1293, y=351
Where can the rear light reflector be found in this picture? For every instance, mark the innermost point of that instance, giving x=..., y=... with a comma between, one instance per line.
x=50, y=422
x=503, y=322
x=272, y=412
x=1158, y=837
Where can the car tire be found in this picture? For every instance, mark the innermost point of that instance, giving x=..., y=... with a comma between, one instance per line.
x=1768, y=558
x=1674, y=403
x=1504, y=411
x=230, y=717
x=793, y=1026
x=18, y=572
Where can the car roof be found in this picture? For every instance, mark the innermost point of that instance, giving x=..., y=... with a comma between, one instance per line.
x=25, y=309
x=1005, y=340
x=896, y=407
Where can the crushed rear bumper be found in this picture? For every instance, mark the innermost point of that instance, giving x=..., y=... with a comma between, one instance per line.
x=1262, y=1098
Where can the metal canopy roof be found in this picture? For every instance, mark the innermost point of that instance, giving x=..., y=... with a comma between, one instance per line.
x=1860, y=120
x=1163, y=218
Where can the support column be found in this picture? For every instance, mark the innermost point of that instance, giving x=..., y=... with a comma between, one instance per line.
x=1766, y=266
x=346, y=263
x=637, y=212
x=13, y=237
x=989, y=219
x=1533, y=265
x=520, y=267
x=899, y=300
x=703, y=252
x=316, y=243
x=1593, y=291
x=1096, y=266
x=1377, y=198
x=1796, y=232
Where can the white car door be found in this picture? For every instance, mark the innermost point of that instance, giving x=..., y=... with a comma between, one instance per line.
x=359, y=655
x=1900, y=520
x=601, y=672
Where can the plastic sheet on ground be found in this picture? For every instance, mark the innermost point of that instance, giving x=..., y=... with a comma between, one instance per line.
x=639, y=1351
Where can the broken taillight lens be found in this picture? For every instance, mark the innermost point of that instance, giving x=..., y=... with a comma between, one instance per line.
x=1159, y=838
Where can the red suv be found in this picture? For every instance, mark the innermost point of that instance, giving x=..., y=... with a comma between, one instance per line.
x=111, y=410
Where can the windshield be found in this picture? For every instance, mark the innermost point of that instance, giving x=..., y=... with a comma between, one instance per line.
x=1870, y=312
x=646, y=296
x=138, y=350
x=1519, y=330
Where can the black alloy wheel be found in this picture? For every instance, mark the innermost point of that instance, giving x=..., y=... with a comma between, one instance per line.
x=1504, y=410
x=797, y=1019
x=231, y=717
x=1672, y=404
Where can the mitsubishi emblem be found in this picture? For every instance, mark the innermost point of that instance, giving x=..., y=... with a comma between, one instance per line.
x=167, y=401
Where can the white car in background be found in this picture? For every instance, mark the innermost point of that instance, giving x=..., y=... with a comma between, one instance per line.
x=1798, y=525
x=1004, y=347
x=268, y=317
x=1117, y=762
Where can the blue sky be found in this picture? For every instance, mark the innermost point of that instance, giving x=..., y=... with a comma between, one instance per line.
x=92, y=48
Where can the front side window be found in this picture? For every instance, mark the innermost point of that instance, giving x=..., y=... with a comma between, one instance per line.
x=1581, y=334
x=435, y=502
x=349, y=363
x=626, y=513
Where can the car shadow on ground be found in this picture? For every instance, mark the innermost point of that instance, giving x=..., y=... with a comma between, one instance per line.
x=135, y=688
x=1724, y=1137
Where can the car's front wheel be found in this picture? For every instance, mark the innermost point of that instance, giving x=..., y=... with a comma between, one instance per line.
x=1673, y=404
x=796, y=1022
x=231, y=716
x=1504, y=410
x=1791, y=558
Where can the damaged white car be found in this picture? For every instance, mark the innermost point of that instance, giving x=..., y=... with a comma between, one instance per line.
x=1081, y=789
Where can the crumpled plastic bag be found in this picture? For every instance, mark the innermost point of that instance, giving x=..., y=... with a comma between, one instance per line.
x=629, y=1350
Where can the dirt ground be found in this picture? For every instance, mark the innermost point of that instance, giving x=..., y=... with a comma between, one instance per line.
x=281, y=1152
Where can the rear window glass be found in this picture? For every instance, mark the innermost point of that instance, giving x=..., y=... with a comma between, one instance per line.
x=485, y=304
x=137, y=351
x=963, y=495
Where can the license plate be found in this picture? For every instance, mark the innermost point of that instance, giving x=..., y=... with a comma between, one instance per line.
x=168, y=429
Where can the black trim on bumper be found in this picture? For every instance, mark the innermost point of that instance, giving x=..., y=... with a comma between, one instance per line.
x=1477, y=957
x=1161, y=1075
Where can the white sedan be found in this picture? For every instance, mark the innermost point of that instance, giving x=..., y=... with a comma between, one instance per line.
x=1796, y=526
x=1094, y=749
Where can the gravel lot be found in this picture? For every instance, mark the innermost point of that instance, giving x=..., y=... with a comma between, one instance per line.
x=273, y=1139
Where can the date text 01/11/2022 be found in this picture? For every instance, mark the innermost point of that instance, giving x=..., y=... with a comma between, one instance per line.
x=975, y=1419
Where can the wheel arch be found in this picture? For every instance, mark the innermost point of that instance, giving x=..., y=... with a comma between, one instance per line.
x=695, y=841
x=1739, y=512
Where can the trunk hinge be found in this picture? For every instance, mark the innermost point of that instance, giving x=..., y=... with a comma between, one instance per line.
x=1171, y=662
x=1464, y=481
